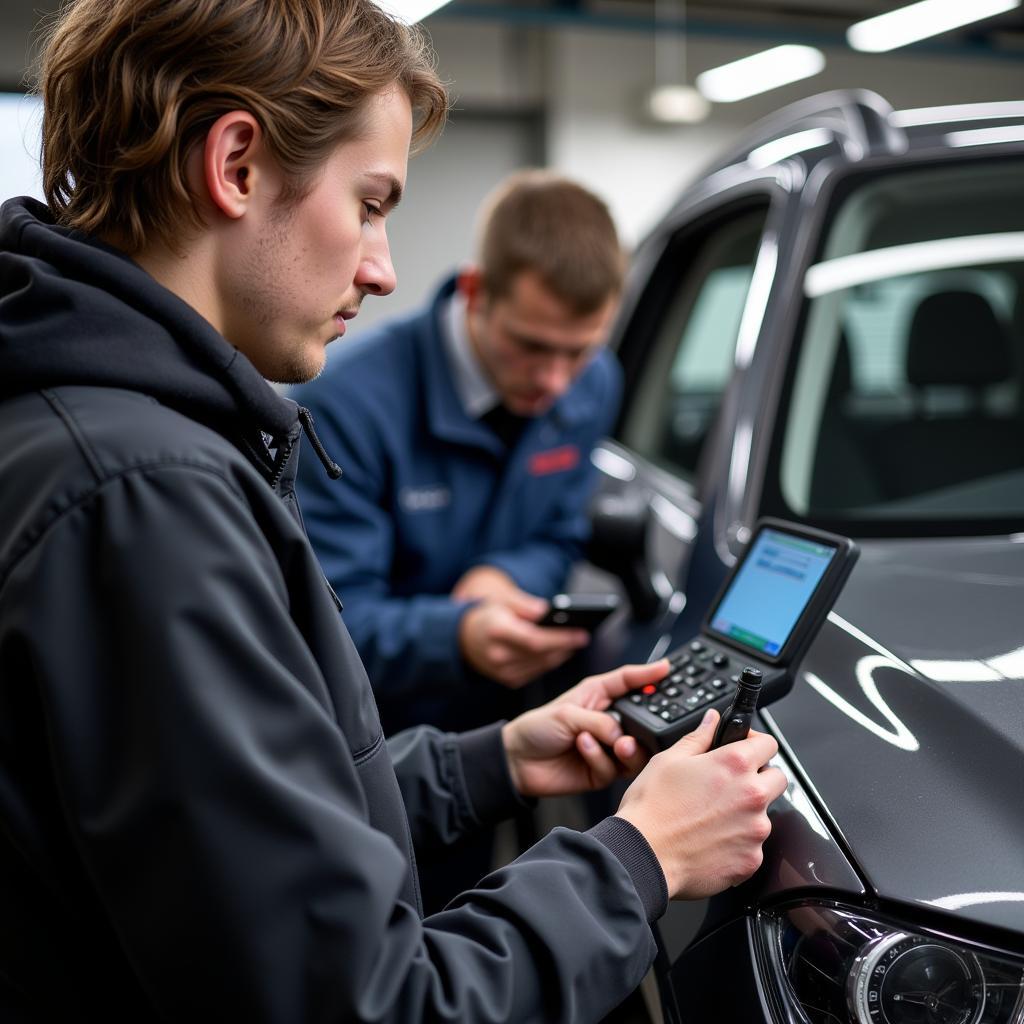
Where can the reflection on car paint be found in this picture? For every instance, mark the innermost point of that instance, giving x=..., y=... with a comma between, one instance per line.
x=676, y=603
x=900, y=735
x=679, y=523
x=956, y=112
x=740, y=461
x=789, y=145
x=613, y=465
x=913, y=258
x=986, y=136
x=973, y=899
x=991, y=670
x=757, y=300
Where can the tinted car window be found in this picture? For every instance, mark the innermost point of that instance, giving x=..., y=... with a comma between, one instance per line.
x=907, y=398
x=679, y=390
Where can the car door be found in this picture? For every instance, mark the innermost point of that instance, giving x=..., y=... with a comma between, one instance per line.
x=686, y=307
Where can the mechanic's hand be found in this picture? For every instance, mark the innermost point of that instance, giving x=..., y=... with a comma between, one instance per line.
x=556, y=749
x=485, y=582
x=501, y=639
x=704, y=812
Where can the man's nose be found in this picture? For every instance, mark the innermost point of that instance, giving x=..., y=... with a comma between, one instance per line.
x=556, y=375
x=376, y=273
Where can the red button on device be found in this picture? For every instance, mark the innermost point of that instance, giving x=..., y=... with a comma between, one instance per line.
x=650, y=688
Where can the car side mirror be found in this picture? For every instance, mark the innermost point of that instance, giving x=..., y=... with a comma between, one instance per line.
x=618, y=544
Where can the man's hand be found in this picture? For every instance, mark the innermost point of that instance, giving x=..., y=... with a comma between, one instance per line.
x=485, y=582
x=704, y=812
x=556, y=749
x=500, y=639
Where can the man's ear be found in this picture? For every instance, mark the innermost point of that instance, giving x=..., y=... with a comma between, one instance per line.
x=231, y=168
x=470, y=285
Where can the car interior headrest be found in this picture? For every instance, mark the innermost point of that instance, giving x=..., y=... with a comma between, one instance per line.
x=955, y=338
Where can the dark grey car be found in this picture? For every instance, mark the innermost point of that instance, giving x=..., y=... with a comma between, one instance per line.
x=827, y=328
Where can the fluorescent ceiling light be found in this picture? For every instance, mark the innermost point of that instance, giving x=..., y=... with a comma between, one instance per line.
x=957, y=112
x=789, y=145
x=677, y=104
x=920, y=21
x=940, y=254
x=986, y=136
x=760, y=72
x=410, y=11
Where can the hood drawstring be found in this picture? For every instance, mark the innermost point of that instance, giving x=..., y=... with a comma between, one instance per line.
x=306, y=419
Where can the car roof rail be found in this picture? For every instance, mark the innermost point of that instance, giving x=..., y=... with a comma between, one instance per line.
x=859, y=120
x=940, y=118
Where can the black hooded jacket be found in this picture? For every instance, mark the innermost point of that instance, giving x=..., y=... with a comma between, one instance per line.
x=199, y=817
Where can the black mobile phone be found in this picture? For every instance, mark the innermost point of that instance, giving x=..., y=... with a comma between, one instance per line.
x=764, y=618
x=579, y=611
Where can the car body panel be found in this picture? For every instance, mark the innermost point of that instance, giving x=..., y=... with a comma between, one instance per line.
x=908, y=715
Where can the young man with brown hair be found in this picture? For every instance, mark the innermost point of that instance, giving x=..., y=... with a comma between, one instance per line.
x=466, y=430
x=199, y=819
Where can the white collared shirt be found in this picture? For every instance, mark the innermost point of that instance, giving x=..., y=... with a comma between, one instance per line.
x=476, y=393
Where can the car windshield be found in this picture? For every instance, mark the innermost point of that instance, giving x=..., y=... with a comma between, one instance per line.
x=907, y=400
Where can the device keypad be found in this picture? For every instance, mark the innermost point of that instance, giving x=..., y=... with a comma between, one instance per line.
x=699, y=676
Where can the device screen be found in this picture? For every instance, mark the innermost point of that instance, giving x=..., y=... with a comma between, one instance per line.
x=768, y=595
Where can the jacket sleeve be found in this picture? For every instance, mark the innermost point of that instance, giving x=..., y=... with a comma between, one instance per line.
x=214, y=803
x=540, y=565
x=453, y=783
x=405, y=642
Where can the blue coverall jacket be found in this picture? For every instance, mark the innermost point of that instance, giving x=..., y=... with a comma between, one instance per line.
x=428, y=493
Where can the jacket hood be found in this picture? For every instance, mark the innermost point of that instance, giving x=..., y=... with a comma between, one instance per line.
x=74, y=311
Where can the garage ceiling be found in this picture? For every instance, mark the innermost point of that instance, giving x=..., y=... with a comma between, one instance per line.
x=819, y=21
x=814, y=21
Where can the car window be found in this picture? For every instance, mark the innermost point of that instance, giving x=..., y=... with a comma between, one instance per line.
x=674, y=403
x=907, y=400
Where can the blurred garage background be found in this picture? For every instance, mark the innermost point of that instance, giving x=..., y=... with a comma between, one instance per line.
x=569, y=84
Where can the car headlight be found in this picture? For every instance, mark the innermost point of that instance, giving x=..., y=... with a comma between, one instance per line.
x=838, y=965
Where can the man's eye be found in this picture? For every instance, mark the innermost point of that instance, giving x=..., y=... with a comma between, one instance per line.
x=371, y=211
x=530, y=348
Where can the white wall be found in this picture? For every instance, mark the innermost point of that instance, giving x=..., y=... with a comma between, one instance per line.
x=20, y=125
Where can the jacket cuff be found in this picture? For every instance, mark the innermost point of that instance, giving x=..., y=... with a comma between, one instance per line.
x=438, y=639
x=487, y=777
x=535, y=570
x=628, y=844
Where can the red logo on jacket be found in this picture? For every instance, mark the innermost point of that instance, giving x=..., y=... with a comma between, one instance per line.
x=554, y=460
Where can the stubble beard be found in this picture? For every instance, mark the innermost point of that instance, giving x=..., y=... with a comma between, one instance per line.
x=292, y=360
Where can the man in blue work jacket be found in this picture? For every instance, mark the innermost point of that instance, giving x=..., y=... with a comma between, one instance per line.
x=465, y=433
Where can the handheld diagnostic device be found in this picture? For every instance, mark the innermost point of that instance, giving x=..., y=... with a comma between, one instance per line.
x=764, y=618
